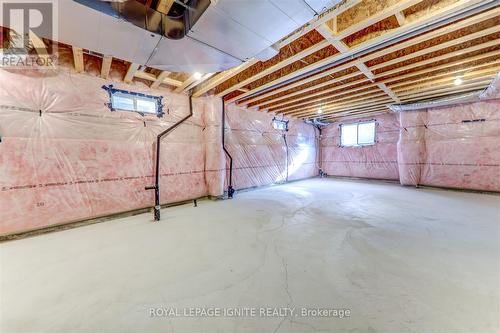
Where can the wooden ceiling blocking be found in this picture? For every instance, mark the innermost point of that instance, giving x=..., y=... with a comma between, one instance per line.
x=180, y=82
x=423, y=66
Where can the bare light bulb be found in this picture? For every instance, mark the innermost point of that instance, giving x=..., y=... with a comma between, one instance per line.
x=197, y=75
x=458, y=81
x=320, y=111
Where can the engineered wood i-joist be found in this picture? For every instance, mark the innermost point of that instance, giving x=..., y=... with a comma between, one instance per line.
x=78, y=59
x=152, y=77
x=362, y=46
x=411, y=66
x=159, y=79
x=359, y=106
x=347, y=96
x=367, y=99
x=106, y=66
x=302, y=54
x=132, y=69
x=471, y=21
x=40, y=47
x=222, y=76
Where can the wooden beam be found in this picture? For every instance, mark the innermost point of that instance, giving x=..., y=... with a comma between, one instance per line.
x=132, y=69
x=422, y=38
x=319, y=20
x=335, y=99
x=152, y=77
x=381, y=100
x=329, y=35
x=389, y=92
x=164, y=6
x=304, y=53
x=338, y=114
x=382, y=84
x=366, y=107
x=444, y=57
x=447, y=85
x=185, y=84
x=438, y=68
x=348, y=100
x=343, y=48
x=221, y=77
x=365, y=70
x=441, y=93
x=159, y=79
x=332, y=90
x=40, y=47
x=106, y=66
x=200, y=81
x=321, y=85
x=433, y=79
x=78, y=59
x=362, y=46
x=387, y=12
x=359, y=114
x=442, y=46
x=298, y=83
x=400, y=16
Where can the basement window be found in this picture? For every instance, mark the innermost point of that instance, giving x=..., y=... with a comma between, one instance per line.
x=281, y=125
x=357, y=134
x=122, y=100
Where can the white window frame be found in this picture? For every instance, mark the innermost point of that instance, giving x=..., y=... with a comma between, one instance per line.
x=134, y=97
x=134, y=100
x=280, y=124
x=357, y=134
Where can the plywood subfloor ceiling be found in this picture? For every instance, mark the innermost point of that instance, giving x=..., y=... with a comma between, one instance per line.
x=319, y=70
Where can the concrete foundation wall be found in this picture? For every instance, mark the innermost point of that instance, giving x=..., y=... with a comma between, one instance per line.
x=379, y=161
x=66, y=157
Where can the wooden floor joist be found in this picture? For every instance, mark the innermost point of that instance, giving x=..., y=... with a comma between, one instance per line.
x=78, y=59
x=423, y=38
x=441, y=54
x=323, y=67
x=407, y=27
x=159, y=79
x=106, y=66
x=132, y=69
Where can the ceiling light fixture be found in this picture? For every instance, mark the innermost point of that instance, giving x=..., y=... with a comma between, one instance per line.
x=197, y=75
x=458, y=81
x=320, y=111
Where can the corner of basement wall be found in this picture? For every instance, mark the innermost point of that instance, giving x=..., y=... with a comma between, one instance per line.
x=259, y=151
x=453, y=147
x=66, y=157
x=378, y=161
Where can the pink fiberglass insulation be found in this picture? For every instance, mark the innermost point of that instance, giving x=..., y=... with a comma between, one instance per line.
x=378, y=161
x=456, y=146
x=259, y=151
x=65, y=156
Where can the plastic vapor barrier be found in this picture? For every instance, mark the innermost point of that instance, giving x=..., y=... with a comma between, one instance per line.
x=260, y=152
x=455, y=146
x=65, y=156
x=378, y=161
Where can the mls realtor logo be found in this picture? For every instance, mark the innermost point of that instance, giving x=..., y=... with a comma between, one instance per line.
x=23, y=26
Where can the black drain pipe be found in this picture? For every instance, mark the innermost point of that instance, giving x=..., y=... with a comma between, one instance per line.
x=320, y=155
x=230, y=189
x=287, y=161
x=156, y=186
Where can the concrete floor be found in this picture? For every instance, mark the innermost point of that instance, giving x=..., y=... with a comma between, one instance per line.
x=400, y=259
